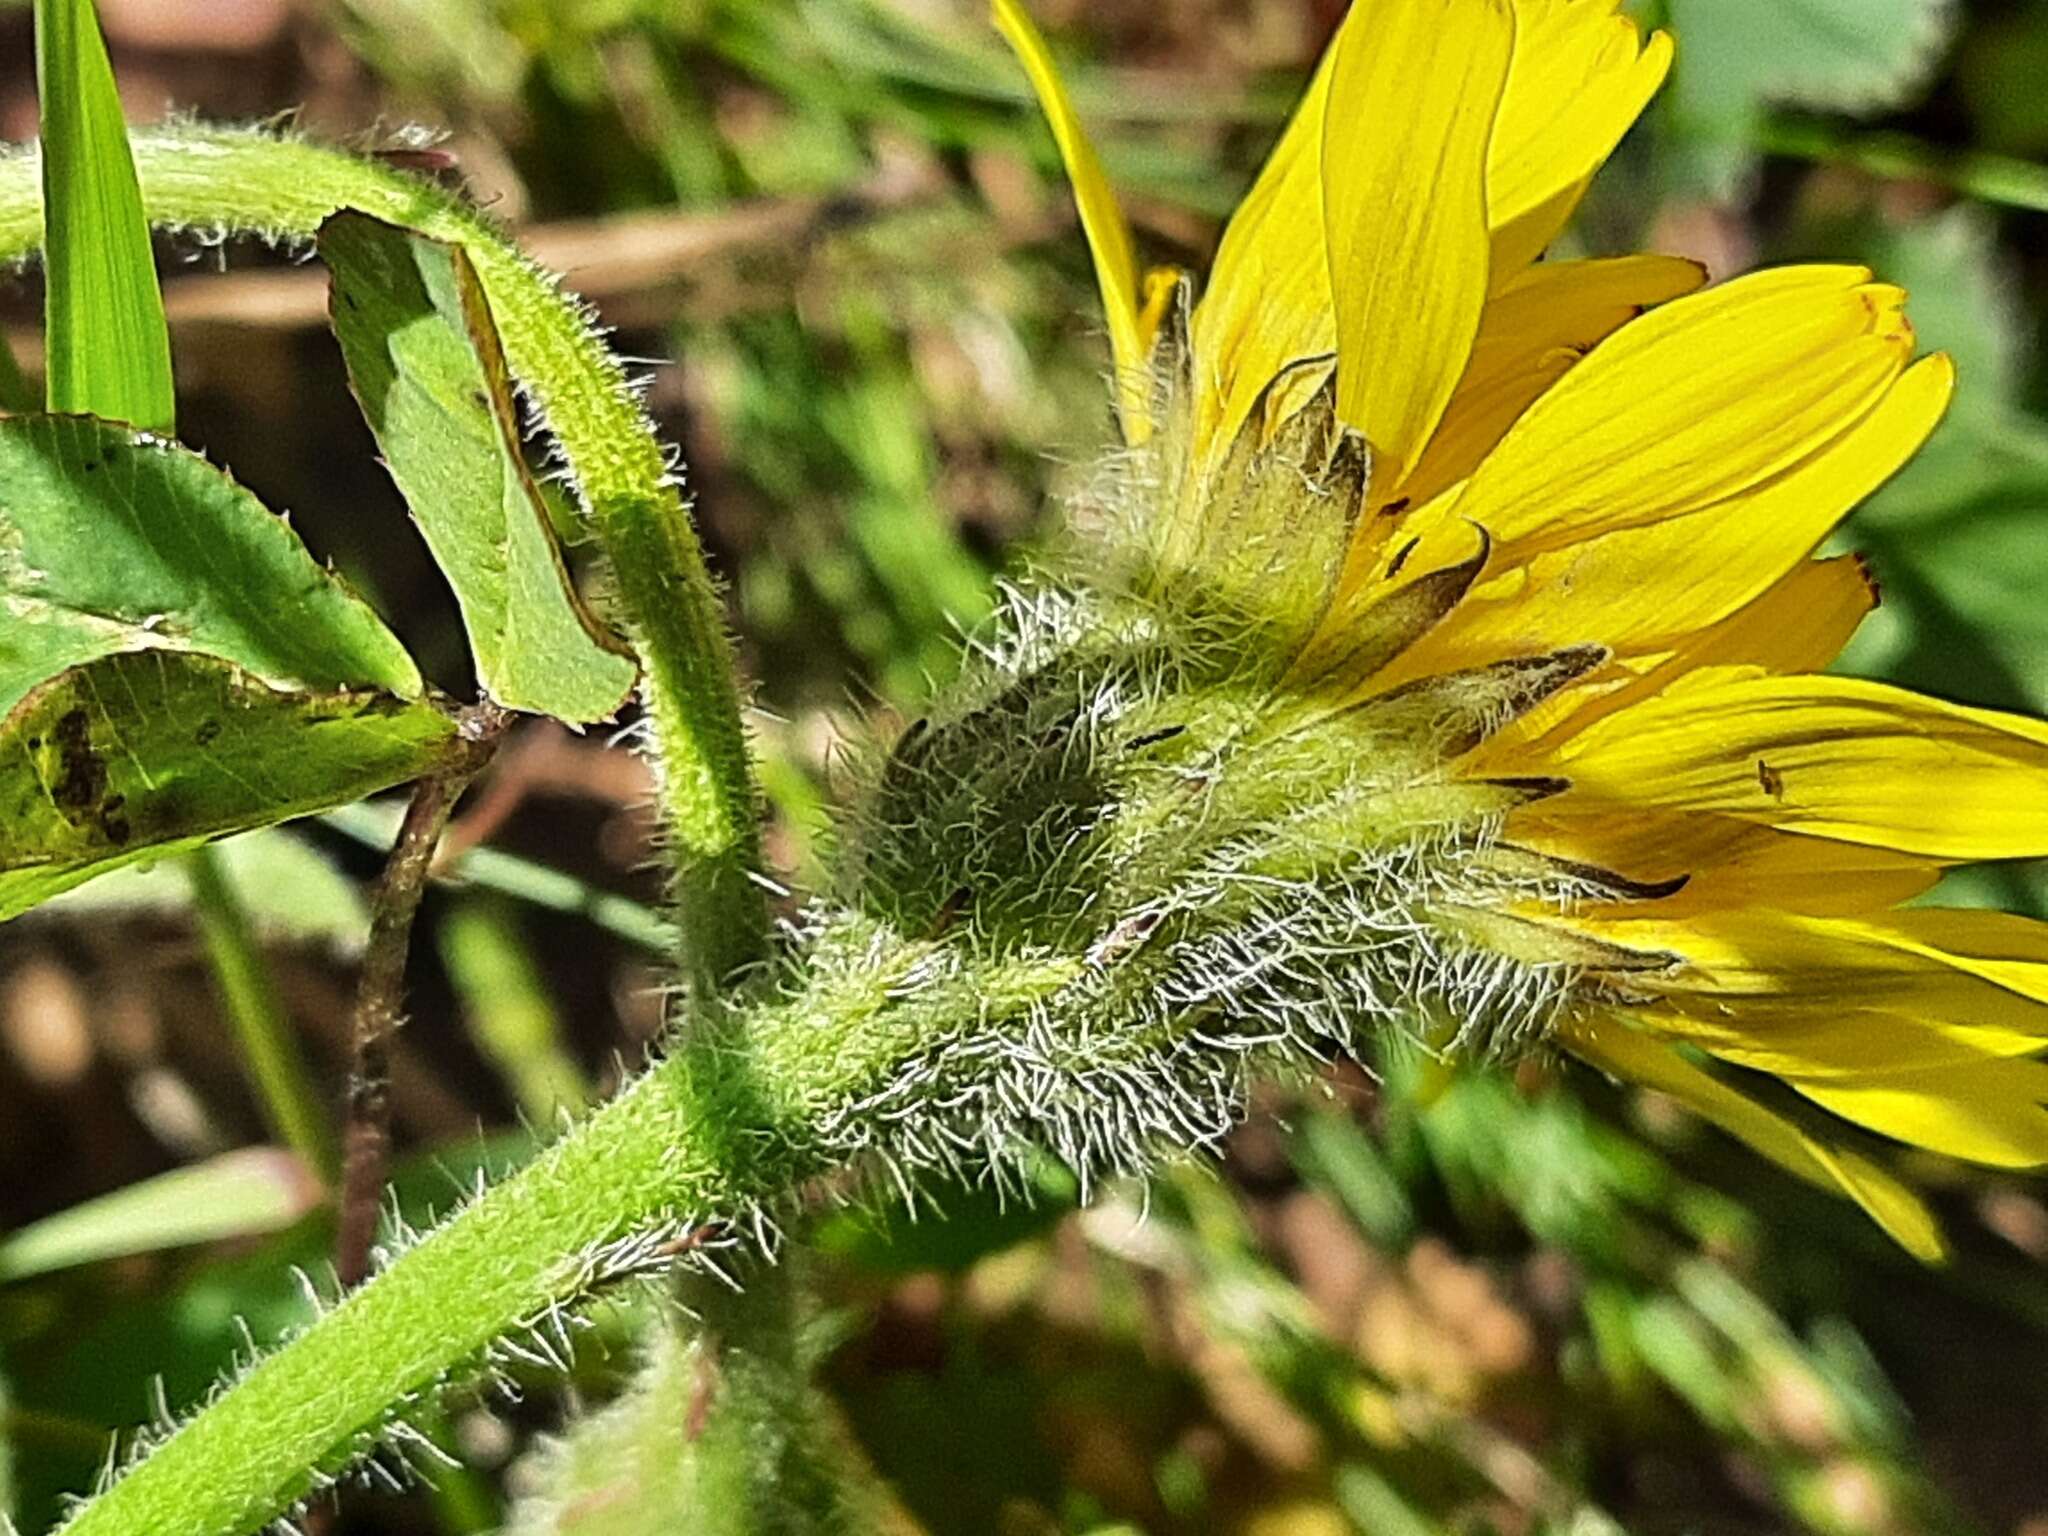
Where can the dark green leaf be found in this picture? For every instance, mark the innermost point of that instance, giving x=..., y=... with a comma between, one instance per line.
x=109, y=351
x=137, y=754
x=424, y=357
x=113, y=541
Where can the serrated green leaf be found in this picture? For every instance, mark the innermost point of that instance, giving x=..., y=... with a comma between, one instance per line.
x=109, y=352
x=424, y=358
x=1736, y=58
x=115, y=541
x=138, y=754
x=238, y=1194
x=1853, y=56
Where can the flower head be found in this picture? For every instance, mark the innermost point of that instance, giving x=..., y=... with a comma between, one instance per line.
x=1451, y=638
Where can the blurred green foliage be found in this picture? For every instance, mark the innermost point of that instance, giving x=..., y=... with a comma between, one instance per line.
x=1482, y=1306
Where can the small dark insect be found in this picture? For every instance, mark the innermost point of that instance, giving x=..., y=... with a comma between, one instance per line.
x=1772, y=780
x=1153, y=738
x=427, y=162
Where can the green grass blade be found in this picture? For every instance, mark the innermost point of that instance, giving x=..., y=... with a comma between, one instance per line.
x=109, y=351
x=507, y=1010
x=238, y=1194
x=271, y=1058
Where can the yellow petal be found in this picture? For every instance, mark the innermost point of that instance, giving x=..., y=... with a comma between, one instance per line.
x=1635, y=1056
x=1828, y=756
x=1576, y=303
x=1706, y=398
x=1519, y=242
x=1799, y=624
x=1414, y=89
x=1102, y=220
x=1993, y=1112
x=1730, y=584
x=1581, y=75
x=1531, y=331
x=1405, y=132
x=2002, y=948
x=1727, y=864
x=1267, y=302
x=1840, y=1046
x=1840, y=1000
x=1984, y=974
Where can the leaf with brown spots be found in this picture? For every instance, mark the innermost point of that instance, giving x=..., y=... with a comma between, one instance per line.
x=136, y=755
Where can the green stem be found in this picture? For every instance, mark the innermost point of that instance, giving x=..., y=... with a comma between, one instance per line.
x=310, y=1406
x=518, y=1250
x=758, y=1441
x=1990, y=178
x=248, y=991
x=380, y=986
x=694, y=1148
x=239, y=181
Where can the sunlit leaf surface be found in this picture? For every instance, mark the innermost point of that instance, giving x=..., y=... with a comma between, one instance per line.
x=424, y=357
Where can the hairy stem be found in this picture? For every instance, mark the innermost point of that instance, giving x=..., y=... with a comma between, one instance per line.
x=754, y=1417
x=248, y=992
x=707, y=1147
x=221, y=181
x=380, y=989
x=518, y=1250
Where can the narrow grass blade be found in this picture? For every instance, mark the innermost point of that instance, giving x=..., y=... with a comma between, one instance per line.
x=109, y=350
x=239, y=1194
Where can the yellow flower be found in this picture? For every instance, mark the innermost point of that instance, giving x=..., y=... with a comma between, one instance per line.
x=1584, y=551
